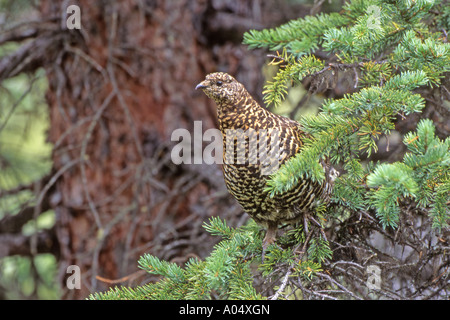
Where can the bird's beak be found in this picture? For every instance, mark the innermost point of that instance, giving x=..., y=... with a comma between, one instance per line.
x=201, y=85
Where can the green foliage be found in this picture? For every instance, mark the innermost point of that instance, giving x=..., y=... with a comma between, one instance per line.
x=28, y=277
x=294, y=70
x=153, y=265
x=299, y=37
x=392, y=50
x=319, y=250
x=423, y=176
x=392, y=53
x=25, y=157
x=225, y=273
x=429, y=56
x=24, y=152
x=228, y=272
x=392, y=181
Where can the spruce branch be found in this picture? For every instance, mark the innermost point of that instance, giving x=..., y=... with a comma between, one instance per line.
x=298, y=37
x=395, y=54
x=154, y=265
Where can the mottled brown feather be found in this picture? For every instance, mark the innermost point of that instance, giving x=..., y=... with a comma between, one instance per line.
x=236, y=109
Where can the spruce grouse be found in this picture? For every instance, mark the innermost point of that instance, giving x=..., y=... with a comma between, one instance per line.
x=241, y=118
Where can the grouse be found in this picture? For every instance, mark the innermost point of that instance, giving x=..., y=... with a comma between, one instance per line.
x=246, y=127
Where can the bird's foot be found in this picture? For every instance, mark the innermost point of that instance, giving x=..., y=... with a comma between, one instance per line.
x=270, y=238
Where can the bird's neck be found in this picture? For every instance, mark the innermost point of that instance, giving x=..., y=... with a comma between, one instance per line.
x=240, y=114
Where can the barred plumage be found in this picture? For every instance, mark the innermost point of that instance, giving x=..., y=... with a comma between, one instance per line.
x=238, y=114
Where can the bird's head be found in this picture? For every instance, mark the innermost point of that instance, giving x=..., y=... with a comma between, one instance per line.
x=221, y=87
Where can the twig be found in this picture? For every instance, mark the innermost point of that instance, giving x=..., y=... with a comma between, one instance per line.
x=289, y=272
x=16, y=104
x=445, y=35
x=83, y=157
x=356, y=77
x=126, y=110
x=129, y=277
x=326, y=276
x=87, y=58
x=54, y=178
x=283, y=284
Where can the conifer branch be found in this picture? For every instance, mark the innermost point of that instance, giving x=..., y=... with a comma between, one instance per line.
x=396, y=55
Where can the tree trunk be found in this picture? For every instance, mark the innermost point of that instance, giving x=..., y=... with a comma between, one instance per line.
x=118, y=88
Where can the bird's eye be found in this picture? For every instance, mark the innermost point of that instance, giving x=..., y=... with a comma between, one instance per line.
x=219, y=83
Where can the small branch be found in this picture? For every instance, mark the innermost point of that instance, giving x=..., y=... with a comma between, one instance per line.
x=19, y=244
x=283, y=285
x=87, y=58
x=14, y=223
x=83, y=157
x=277, y=57
x=284, y=282
x=445, y=35
x=129, y=277
x=356, y=77
x=17, y=103
x=324, y=275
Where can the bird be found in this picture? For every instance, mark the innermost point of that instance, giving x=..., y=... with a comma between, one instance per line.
x=240, y=117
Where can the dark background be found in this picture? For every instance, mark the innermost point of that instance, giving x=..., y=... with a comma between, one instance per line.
x=86, y=177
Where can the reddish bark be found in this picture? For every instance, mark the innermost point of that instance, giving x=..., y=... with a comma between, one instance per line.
x=118, y=88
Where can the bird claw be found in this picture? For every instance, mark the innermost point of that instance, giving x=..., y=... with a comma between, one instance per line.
x=270, y=238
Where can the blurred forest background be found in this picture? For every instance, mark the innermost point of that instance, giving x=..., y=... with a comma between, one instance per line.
x=86, y=117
